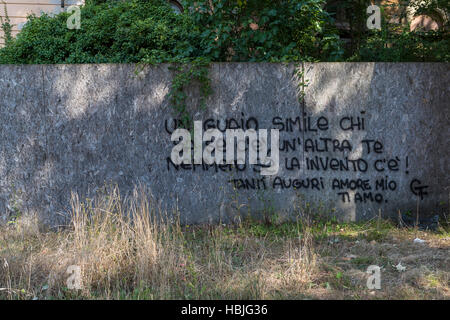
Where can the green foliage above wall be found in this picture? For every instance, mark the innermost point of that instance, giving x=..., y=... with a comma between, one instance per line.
x=119, y=31
x=266, y=30
x=403, y=46
x=113, y=31
x=149, y=31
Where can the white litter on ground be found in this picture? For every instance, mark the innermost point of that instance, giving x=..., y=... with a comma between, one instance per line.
x=400, y=268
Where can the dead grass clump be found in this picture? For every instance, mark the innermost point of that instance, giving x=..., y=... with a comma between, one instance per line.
x=127, y=248
x=130, y=249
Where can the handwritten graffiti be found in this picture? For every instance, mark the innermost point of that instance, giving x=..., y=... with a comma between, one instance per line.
x=418, y=189
x=322, y=153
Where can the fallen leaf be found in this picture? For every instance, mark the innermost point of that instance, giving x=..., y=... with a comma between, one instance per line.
x=254, y=26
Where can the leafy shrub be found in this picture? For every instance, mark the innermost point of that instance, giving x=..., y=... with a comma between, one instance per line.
x=396, y=43
x=266, y=30
x=130, y=31
x=149, y=31
x=113, y=31
x=404, y=46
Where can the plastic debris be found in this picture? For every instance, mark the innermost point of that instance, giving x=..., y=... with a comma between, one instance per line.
x=400, y=268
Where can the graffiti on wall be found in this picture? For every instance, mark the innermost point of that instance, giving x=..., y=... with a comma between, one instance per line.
x=317, y=154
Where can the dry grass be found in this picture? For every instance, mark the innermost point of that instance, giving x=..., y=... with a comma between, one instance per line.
x=128, y=249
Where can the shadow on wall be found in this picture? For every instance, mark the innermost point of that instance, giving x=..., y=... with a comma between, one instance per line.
x=78, y=127
x=74, y=127
x=404, y=108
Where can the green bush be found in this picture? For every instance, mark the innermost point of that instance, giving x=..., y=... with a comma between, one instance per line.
x=113, y=31
x=132, y=31
x=149, y=31
x=396, y=43
x=266, y=30
x=404, y=46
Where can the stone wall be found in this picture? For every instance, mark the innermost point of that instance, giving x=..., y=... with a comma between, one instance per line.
x=367, y=138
